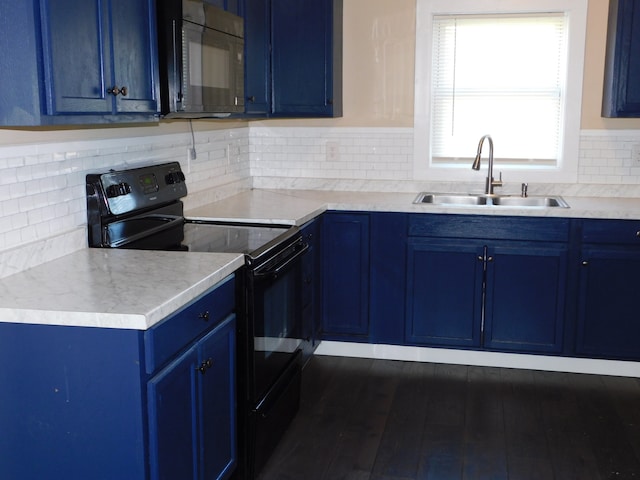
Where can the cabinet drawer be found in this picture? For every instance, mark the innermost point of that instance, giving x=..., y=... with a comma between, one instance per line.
x=166, y=339
x=489, y=227
x=611, y=231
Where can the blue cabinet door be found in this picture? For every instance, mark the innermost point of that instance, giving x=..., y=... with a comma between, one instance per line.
x=306, y=57
x=217, y=372
x=20, y=64
x=345, y=276
x=173, y=421
x=622, y=74
x=257, y=48
x=92, y=47
x=444, y=292
x=135, y=64
x=77, y=60
x=608, y=305
x=525, y=297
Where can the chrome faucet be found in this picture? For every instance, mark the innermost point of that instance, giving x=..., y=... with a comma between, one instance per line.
x=491, y=183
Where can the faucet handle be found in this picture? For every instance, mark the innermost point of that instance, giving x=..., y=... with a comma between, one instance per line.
x=497, y=183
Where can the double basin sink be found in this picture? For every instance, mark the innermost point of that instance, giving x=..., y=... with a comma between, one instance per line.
x=466, y=200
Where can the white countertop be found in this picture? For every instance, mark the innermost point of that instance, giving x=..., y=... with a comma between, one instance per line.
x=295, y=207
x=130, y=289
x=126, y=288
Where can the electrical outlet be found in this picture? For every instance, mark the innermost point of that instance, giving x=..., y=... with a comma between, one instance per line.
x=332, y=151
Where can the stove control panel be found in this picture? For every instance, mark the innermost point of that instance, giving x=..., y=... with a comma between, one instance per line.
x=125, y=191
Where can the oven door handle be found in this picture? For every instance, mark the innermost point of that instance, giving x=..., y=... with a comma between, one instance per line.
x=275, y=272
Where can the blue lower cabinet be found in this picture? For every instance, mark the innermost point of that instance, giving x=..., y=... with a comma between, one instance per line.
x=192, y=411
x=608, y=318
x=104, y=403
x=345, y=276
x=504, y=293
x=73, y=403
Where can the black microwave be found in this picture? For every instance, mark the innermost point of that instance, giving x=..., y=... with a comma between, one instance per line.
x=201, y=60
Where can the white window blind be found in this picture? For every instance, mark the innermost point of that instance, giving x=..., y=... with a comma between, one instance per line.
x=501, y=75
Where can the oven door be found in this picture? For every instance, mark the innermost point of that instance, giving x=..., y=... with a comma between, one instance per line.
x=276, y=314
x=275, y=356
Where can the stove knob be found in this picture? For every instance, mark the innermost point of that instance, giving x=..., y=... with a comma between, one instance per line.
x=112, y=191
x=174, y=177
x=119, y=189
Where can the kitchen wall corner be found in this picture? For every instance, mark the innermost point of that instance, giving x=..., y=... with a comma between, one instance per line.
x=42, y=192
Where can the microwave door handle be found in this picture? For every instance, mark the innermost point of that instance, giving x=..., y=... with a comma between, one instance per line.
x=177, y=67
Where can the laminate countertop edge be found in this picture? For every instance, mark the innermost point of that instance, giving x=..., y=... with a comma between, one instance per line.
x=112, y=288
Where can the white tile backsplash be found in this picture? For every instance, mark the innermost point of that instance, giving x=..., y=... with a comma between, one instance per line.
x=42, y=187
x=42, y=193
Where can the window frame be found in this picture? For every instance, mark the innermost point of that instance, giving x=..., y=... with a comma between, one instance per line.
x=566, y=171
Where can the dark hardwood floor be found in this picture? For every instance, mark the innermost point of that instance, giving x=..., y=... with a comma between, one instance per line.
x=364, y=419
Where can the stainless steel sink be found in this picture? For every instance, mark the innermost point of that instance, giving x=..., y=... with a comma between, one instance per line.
x=452, y=199
x=466, y=200
x=530, y=202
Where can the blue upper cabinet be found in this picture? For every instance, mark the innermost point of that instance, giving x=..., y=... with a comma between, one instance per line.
x=307, y=57
x=293, y=58
x=257, y=54
x=622, y=72
x=99, y=57
x=85, y=61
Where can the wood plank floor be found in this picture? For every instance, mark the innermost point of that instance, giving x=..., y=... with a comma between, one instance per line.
x=364, y=419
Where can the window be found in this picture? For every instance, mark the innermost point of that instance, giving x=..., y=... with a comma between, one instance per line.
x=514, y=72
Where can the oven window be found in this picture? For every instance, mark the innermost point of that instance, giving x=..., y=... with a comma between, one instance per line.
x=277, y=327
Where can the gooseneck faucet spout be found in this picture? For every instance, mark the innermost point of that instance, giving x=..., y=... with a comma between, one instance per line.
x=491, y=183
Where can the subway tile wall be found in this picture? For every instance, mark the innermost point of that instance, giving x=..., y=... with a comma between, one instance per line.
x=42, y=187
x=42, y=197
x=609, y=157
x=605, y=157
x=344, y=153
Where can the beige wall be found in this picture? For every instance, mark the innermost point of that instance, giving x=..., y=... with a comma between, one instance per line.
x=379, y=46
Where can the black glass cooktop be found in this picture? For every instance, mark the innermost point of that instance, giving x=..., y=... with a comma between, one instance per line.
x=204, y=237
